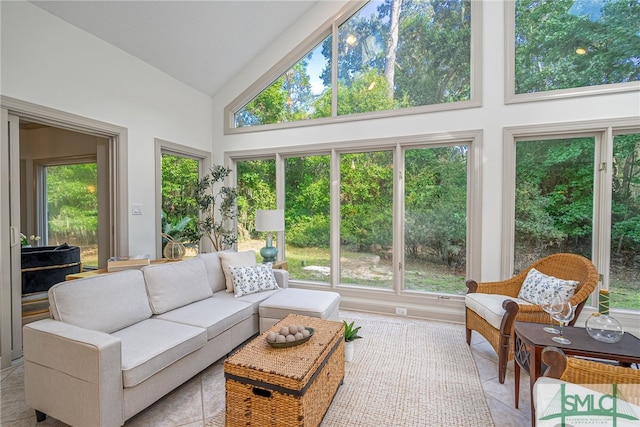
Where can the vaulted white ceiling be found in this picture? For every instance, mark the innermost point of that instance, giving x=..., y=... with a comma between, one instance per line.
x=204, y=44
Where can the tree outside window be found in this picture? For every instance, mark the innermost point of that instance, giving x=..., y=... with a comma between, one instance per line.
x=563, y=44
x=392, y=54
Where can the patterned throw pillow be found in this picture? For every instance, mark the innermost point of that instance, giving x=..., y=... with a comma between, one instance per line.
x=249, y=280
x=538, y=287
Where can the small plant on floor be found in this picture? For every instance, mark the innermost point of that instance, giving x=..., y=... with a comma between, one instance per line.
x=350, y=331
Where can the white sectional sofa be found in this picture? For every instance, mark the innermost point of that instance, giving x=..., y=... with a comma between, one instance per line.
x=118, y=342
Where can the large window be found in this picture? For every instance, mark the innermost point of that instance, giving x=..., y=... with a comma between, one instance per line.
x=397, y=217
x=307, y=206
x=554, y=198
x=569, y=45
x=178, y=169
x=435, y=219
x=624, y=275
x=389, y=55
x=366, y=218
x=180, y=175
x=578, y=194
x=295, y=95
x=71, y=193
x=256, y=191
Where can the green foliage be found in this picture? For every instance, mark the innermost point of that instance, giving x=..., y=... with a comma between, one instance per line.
x=434, y=57
x=179, y=208
x=366, y=93
x=217, y=205
x=366, y=203
x=311, y=231
x=285, y=100
x=554, y=194
x=549, y=32
x=435, y=203
x=351, y=331
x=176, y=229
x=72, y=203
x=432, y=65
x=625, y=232
x=256, y=190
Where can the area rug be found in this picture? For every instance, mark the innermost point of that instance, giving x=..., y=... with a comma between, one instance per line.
x=406, y=374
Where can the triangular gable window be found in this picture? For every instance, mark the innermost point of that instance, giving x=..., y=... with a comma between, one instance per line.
x=390, y=55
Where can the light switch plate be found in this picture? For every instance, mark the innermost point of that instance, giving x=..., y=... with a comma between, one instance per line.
x=136, y=209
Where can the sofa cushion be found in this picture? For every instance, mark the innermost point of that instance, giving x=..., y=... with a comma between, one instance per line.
x=236, y=259
x=489, y=306
x=249, y=280
x=105, y=302
x=216, y=315
x=151, y=345
x=306, y=302
x=214, y=271
x=175, y=284
x=253, y=299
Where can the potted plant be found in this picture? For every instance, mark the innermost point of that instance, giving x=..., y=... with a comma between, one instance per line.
x=173, y=236
x=217, y=209
x=350, y=335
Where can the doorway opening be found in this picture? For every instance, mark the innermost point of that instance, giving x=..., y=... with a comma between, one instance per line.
x=64, y=180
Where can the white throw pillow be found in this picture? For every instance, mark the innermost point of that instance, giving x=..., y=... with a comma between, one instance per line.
x=214, y=270
x=249, y=280
x=537, y=287
x=235, y=259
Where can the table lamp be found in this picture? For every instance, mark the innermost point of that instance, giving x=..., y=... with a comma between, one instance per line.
x=269, y=221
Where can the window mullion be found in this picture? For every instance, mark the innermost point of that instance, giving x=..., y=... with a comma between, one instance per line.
x=334, y=70
x=602, y=206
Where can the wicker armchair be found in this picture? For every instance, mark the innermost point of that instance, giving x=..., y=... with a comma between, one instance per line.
x=582, y=371
x=498, y=333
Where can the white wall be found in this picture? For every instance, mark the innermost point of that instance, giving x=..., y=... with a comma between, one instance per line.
x=492, y=117
x=49, y=62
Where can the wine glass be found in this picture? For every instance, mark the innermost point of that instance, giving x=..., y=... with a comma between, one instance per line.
x=563, y=315
x=549, y=305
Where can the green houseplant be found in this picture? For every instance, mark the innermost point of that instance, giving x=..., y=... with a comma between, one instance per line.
x=351, y=331
x=217, y=205
x=350, y=335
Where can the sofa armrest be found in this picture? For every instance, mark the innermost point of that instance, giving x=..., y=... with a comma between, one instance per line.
x=67, y=367
x=282, y=277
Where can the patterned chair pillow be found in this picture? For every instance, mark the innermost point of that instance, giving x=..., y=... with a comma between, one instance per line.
x=249, y=280
x=538, y=287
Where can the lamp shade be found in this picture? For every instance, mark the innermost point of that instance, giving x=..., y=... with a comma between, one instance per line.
x=270, y=220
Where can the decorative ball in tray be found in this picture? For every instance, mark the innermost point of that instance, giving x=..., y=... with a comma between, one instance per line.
x=289, y=336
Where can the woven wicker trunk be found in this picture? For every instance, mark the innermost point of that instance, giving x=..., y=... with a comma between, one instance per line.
x=292, y=386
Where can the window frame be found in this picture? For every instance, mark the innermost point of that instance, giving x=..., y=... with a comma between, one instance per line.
x=41, y=206
x=510, y=97
x=330, y=27
x=603, y=131
x=204, y=164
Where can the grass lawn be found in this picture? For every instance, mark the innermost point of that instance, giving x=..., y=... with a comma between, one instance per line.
x=365, y=269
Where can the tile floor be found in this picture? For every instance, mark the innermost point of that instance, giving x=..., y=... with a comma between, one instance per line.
x=195, y=402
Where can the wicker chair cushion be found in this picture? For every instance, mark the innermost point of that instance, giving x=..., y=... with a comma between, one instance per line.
x=537, y=287
x=489, y=306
